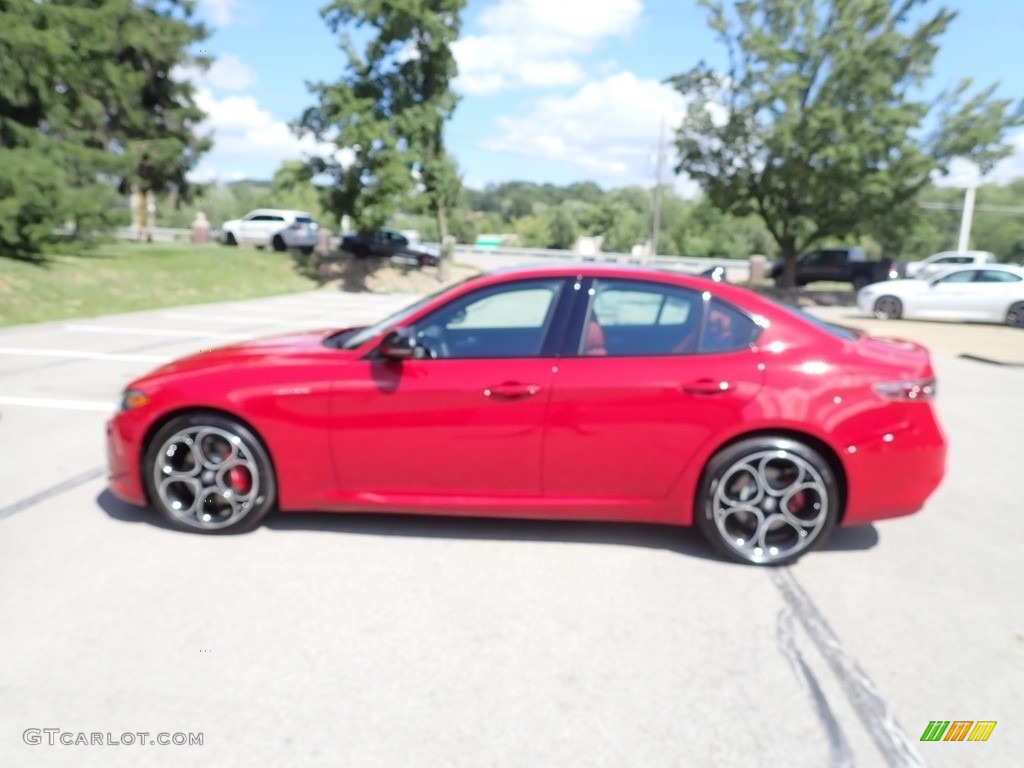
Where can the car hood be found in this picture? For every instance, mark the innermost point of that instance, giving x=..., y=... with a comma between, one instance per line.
x=257, y=351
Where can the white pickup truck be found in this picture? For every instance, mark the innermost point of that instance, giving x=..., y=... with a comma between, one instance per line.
x=931, y=266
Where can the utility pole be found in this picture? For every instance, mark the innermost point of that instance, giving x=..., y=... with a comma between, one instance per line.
x=657, y=190
x=966, y=219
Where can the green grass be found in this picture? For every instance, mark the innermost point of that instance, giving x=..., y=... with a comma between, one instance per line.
x=126, y=277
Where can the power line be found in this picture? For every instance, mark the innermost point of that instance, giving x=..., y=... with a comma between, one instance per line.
x=985, y=208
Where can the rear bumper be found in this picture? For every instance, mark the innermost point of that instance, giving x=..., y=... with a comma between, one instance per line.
x=894, y=472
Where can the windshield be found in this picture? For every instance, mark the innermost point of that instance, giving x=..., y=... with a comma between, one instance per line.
x=364, y=335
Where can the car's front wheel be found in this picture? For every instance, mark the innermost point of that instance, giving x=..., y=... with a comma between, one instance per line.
x=278, y=243
x=1015, y=315
x=767, y=500
x=229, y=239
x=207, y=473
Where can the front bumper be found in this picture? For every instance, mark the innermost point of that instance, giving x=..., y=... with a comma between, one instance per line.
x=124, y=439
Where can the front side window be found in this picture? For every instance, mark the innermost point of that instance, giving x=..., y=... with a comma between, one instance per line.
x=499, y=321
x=964, y=276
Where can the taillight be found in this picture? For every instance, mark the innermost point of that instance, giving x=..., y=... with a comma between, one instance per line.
x=296, y=225
x=907, y=390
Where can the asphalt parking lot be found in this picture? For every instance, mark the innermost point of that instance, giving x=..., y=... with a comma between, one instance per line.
x=392, y=641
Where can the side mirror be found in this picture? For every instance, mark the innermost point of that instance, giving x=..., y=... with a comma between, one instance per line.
x=398, y=345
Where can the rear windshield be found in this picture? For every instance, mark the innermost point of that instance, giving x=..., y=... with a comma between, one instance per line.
x=304, y=219
x=839, y=331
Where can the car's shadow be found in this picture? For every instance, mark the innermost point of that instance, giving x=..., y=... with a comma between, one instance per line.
x=684, y=541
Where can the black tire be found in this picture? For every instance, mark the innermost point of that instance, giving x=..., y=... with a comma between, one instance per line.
x=229, y=239
x=861, y=281
x=783, y=463
x=278, y=243
x=232, y=509
x=306, y=250
x=888, y=308
x=360, y=251
x=1015, y=315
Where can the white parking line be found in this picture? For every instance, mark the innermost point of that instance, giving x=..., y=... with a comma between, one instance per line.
x=80, y=355
x=114, y=329
x=68, y=405
x=253, y=319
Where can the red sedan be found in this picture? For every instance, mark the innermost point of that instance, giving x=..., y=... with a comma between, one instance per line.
x=571, y=392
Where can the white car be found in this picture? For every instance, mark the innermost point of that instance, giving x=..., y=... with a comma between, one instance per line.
x=992, y=293
x=279, y=229
x=933, y=265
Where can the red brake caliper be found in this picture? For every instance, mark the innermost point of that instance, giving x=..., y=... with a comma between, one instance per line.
x=240, y=479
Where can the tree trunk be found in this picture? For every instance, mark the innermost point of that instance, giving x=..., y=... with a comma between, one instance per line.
x=139, y=207
x=789, y=254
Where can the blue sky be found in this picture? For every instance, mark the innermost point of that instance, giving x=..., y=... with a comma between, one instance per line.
x=552, y=90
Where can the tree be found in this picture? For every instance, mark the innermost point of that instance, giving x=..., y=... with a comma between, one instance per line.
x=389, y=108
x=813, y=124
x=89, y=103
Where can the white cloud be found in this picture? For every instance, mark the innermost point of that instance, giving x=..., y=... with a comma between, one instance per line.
x=249, y=141
x=1012, y=167
x=963, y=173
x=537, y=43
x=227, y=73
x=606, y=131
x=221, y=13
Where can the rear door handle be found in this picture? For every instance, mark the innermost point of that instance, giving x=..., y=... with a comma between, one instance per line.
x=707, y=387
x=512, y=391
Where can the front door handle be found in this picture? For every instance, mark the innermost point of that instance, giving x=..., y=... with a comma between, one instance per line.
x=707, y=387
x=512, y=390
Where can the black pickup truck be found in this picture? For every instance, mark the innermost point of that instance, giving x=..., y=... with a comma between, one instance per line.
x=841, y=264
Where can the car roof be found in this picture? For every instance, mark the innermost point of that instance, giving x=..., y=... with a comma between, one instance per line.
x=961, y=253
x=744, y=297
x=285, y=211
x=1011, y=268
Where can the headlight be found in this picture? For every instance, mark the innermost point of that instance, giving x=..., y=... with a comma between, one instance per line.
x=133, y=398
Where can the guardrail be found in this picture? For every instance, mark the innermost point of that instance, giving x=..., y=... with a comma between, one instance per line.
x=165, y=234
x=682, y=263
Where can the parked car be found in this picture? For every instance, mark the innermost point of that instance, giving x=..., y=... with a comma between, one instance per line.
x=279, y=229
x=841, y=264
x=994, y=294
x=931, y=266
x=575, y=392
x=390, y=244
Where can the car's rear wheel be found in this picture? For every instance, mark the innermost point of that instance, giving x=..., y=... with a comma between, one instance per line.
x=278, y=243
x=888, y=308
x=207, y=473
x=767, y=501
x=229, y=239
x=1015, y=315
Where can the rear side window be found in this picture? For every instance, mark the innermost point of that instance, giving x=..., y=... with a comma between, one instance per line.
x=726, y=329
x=998, y=276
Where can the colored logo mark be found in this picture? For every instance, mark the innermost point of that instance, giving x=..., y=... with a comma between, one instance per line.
x=958, y=730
